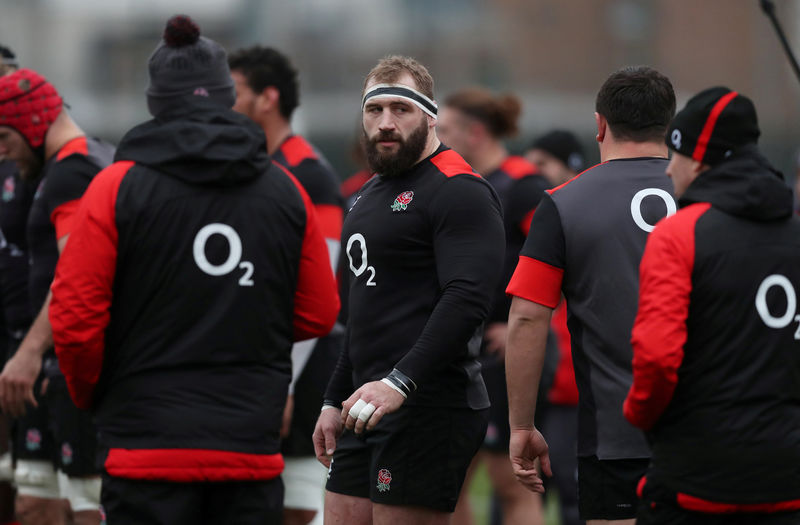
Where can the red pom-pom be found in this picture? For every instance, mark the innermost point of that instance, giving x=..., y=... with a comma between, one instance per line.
x=181, y=31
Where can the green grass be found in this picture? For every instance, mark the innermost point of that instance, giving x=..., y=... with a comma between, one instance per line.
x=481, y=492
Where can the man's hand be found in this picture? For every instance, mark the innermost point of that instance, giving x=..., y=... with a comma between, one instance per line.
x=288, y=410
x=327, y=431
x=369, y=404
x=495, y=336
x=16, y=382
x=524, y=448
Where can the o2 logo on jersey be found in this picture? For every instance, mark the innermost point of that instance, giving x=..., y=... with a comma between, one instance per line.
x=791, y=303
x=234, y=259
x=636, y=206
x=364, y=266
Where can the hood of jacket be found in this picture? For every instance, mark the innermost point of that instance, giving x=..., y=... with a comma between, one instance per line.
x=745, y=185
x=199, y=142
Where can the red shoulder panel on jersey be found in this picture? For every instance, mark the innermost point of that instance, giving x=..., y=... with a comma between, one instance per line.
x=316, y=299
x=518, y=167
x=659, y=332
x=330, y=218
x=296, y=149
x=63, y=217
x=451, y=164
x=82, y=287
x=553, y=190
x=536, y=281
x=192, y=465
x=76, y=145
x=525, y=223
x=352, y=184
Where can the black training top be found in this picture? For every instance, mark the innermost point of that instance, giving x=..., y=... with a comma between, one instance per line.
x=424, y=253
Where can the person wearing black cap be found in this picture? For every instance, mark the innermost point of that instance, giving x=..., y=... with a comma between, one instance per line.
x=194, y=264
x=54, y=156
x=716, y=364
x=558, y=155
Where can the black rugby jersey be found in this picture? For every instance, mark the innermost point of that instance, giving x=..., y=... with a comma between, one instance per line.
x=586, y=240
x=65, y=177
x=17, y=196
x=319, y=180
x=424, y=252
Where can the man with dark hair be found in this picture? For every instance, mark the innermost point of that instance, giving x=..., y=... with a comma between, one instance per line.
x=424, y=243
x=267, y=92
x=716, y=357
x=586, y=240
x=55, y=156
x=194, y=265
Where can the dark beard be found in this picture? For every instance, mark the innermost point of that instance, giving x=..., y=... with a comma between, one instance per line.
x=395, y=164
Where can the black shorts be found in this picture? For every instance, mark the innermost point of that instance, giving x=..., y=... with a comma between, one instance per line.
x=651, y=513
x=137, y=502
x=57, y=431
x=417, y=456
x=607, y=488
x=498, y=433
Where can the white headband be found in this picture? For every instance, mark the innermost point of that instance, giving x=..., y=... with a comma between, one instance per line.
x=401, y=91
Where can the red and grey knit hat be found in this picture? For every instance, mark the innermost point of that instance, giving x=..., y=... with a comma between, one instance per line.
x=29, y=104
x=714, y=123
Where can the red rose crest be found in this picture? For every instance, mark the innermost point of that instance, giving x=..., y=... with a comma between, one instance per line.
x=384, y=478
x=402, y=201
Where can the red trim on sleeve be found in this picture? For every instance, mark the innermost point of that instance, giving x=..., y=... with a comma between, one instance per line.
x=518, y=167
x=659, y=332
x=79, y=311
x=76, y=145
x=708, y=127
x=63, y=217
x=536, y=281
x=451, y=164
x=316, y=298
x=296, y=149
x=330, y=217
x=525, y=223
x=564, y=390
x=191, y=465
x=553, y=190
x=701, y=505
x=352, y=184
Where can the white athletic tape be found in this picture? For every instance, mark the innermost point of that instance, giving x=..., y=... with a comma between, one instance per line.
x=36, y=478
x=355, y=410
x=366, y=412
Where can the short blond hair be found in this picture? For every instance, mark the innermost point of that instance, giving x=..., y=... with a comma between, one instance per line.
x=390, y=68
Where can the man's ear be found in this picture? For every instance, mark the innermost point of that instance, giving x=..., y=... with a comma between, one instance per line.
x=602, y=126
x=270, y=98
x=698, y=167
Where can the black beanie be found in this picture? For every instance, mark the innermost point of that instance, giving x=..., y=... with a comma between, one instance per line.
x=562, y=145
x=186, y=64
x=714, y=123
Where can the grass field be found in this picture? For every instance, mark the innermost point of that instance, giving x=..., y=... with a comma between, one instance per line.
x=481, y=491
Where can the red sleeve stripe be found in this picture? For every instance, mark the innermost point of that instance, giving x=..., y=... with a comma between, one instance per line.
x=63, y=217
x=76, y=145
x=553, y=190
x=525, y=223
x=708, y=128
x=330, y=220
x=701, y=505
x=536, y=281
x=82, y=288
x=659, y=331
x=518, y=167
x=316, y=298
x=192, y=465
x=296, y=149
x=451, y=164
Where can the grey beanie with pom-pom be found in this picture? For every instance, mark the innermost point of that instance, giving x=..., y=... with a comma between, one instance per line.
x=186, y=64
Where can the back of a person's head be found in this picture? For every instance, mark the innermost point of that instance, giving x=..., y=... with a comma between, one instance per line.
x=264, y=67
x=389, y=69
x=498, y=113
x=8, y=61
x=638, y=104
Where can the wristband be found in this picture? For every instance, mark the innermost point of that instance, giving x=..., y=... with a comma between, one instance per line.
x=401, y=381
x=387, y=381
